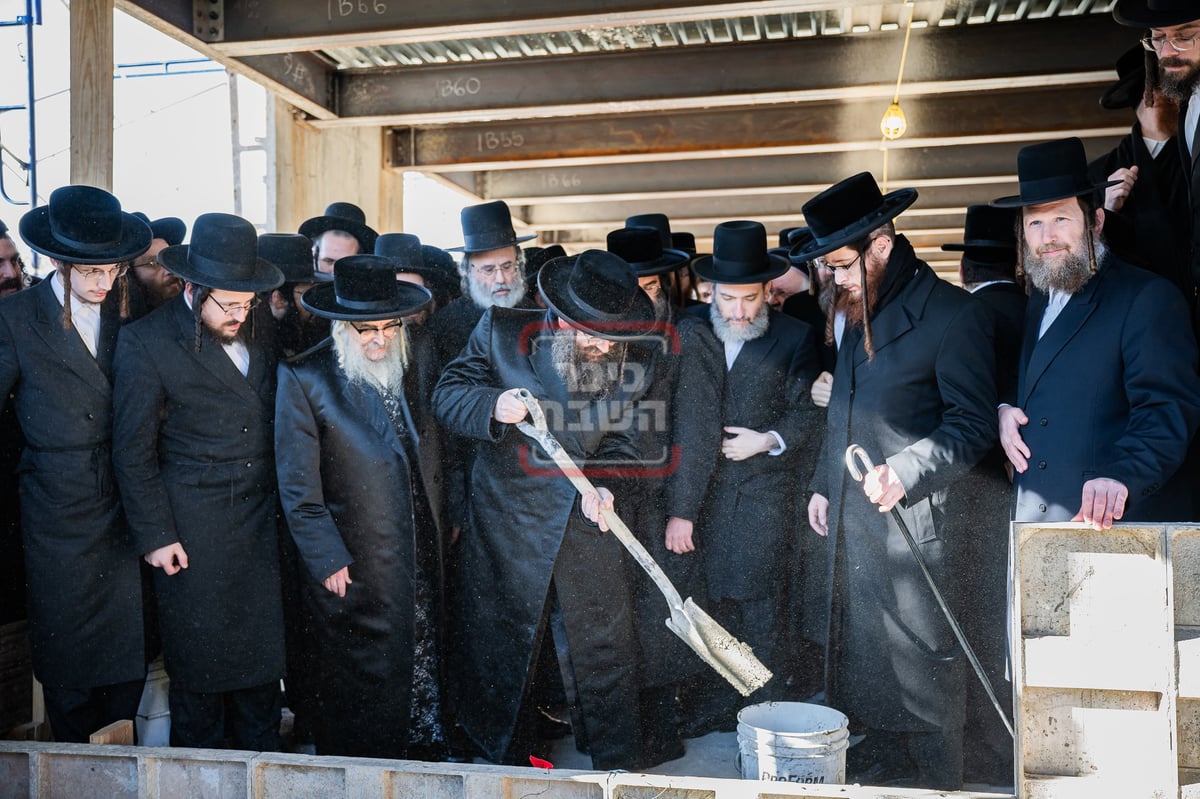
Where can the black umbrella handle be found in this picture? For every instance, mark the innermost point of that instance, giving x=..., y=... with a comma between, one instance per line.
x=859, y=464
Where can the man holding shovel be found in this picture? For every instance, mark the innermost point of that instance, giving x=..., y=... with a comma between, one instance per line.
x=915, y=387
x=539, y=559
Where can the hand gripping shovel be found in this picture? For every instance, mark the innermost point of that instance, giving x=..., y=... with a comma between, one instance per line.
x=729, y=657
x=858, y=463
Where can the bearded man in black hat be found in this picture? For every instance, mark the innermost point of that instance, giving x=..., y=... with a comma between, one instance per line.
x=683, y=371
x=408, y=257
x=156, y=285
x=195, y=402
x=1108, y=395
x=12, y=268
x=535, y=559
x=1172, y=33
x=84, y=579
x=295, y=329
x=359, y=464
x=747, y=522
x=915, y=387
x=342, y=230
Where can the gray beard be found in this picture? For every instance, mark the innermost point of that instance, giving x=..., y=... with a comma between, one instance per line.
x=1179, y=88
x=385, y=375
x=726, y=333
x=485, y=299
x=598, y=377
x=1069, y=276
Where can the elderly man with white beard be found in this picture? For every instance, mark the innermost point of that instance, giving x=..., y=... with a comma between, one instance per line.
x=746, y=527
x=1108, y=395
x=358, y=458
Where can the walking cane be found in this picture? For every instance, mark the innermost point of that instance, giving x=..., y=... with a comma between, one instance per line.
x=858, y=463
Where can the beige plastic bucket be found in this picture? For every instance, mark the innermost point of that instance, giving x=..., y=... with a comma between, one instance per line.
x=793, y=742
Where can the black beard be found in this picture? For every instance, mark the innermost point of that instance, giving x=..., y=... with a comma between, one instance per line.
x=223, y=338
x=11, y=284
x=1178, y=87
x=1069, y=276
x=592, y=373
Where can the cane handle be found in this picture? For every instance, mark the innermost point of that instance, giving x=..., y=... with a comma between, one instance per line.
x=858, y=462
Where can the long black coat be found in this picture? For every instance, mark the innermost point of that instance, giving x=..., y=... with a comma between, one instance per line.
x=749, y=517
x=196, y=466
x=519, y=511
x=85, y=586
x=345, y=483
x=925, y=405
x=1111, y=390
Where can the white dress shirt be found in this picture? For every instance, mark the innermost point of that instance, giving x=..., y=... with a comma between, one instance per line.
x=1054, y=306
x=85, y=316
x=1192, y=120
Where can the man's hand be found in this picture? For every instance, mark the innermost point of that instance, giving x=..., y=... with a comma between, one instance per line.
x=595, y=501
x=883, y=487
x=679, y=536
x=1115, y=196
x=509, y=407
x=336, y=583
x=822, y=390
x=1103, y=502
x=170, y=558
x=818, y=514
x=746, y=443
x=1011, y=420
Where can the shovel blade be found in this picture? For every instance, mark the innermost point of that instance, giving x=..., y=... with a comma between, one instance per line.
x=729, y=657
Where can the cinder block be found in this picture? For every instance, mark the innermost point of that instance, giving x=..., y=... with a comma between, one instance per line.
x=423, y=785
x=276, y=780
x=87, y=776
x=552, y=788
x=14, y=775
x=197, y=779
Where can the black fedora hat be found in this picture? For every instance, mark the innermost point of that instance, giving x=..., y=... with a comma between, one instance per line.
x=365, y=289
x=988, y=227
x=598, y=293
x=292, y=255
x=488, y=226
x=684, y=241
x=785, y=236
x=407, y=254
x=223, y=254
x=85, y=225
x=346, y=217
x=1155, y=13
x=659, y=222
x=797, y=239
x=847, y=212
x=641, y=248
x=1051, y=171
x=1131, y=81
x=170, y=229
x=740, y=256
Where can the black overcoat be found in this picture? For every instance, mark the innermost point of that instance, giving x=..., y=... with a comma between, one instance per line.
x=83, y=573
x=925, y=405
x=195, y=463
x=519, y=511
x=749, y=517
x=344, y=481
x=1111, y=390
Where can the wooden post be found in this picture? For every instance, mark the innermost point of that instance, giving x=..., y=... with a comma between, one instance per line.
x=92, y=92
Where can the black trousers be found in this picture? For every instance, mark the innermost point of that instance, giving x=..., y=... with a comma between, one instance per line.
x=76, y=713
x=198, y=719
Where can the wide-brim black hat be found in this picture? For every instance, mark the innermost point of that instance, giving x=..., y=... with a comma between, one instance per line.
x=223, y=255
x=292, y=255
x=659, y=222
x=170, y=229
x=740, y=256
x=598, y=293
x=1052, y=171
x=847, y=212
x=641, y=248
x=365, y=289
x=1155, y=13
x=407, y=254
x=684, y=241
x=346, y=217
x=1131, y=80
x=488, y=226
x=988, y=227
x=85, y=225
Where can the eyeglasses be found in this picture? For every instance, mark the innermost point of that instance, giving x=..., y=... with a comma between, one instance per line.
x=94, y=273
x=152, y=263
x=388, y=330
x=509, y=268
x=230, y=310
x=1180, y=44
x=837, y=267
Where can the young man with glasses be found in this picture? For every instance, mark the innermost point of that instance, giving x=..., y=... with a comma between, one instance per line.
x=86, y=625
x=195, y=392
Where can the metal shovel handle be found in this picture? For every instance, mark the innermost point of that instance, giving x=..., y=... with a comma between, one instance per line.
x=859, y=464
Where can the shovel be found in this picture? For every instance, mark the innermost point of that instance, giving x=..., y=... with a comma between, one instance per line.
x=858, y=463
x=729, y=657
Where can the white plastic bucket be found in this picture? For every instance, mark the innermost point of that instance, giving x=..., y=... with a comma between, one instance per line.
x=793, y=742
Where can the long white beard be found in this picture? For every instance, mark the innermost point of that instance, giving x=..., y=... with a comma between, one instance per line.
x=730, y=335
x=386, y=374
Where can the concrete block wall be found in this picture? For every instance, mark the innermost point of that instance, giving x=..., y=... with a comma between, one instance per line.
x=83, y=771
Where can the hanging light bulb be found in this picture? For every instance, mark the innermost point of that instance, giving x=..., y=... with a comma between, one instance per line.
x=893, y=125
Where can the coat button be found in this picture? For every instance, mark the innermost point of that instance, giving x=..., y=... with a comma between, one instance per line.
x=245, y=429
x=1044, y=422
x=1042, y=507
x=91, y=416
x=248, y=464
x=1041, y=464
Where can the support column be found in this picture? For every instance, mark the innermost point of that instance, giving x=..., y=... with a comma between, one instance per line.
x=92, y=92
x=313, y=168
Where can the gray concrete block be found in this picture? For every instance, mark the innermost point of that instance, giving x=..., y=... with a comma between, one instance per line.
x=14, y=775
x=293, y=781
x=423, y=785
x=197, y=779
x=79, y=775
